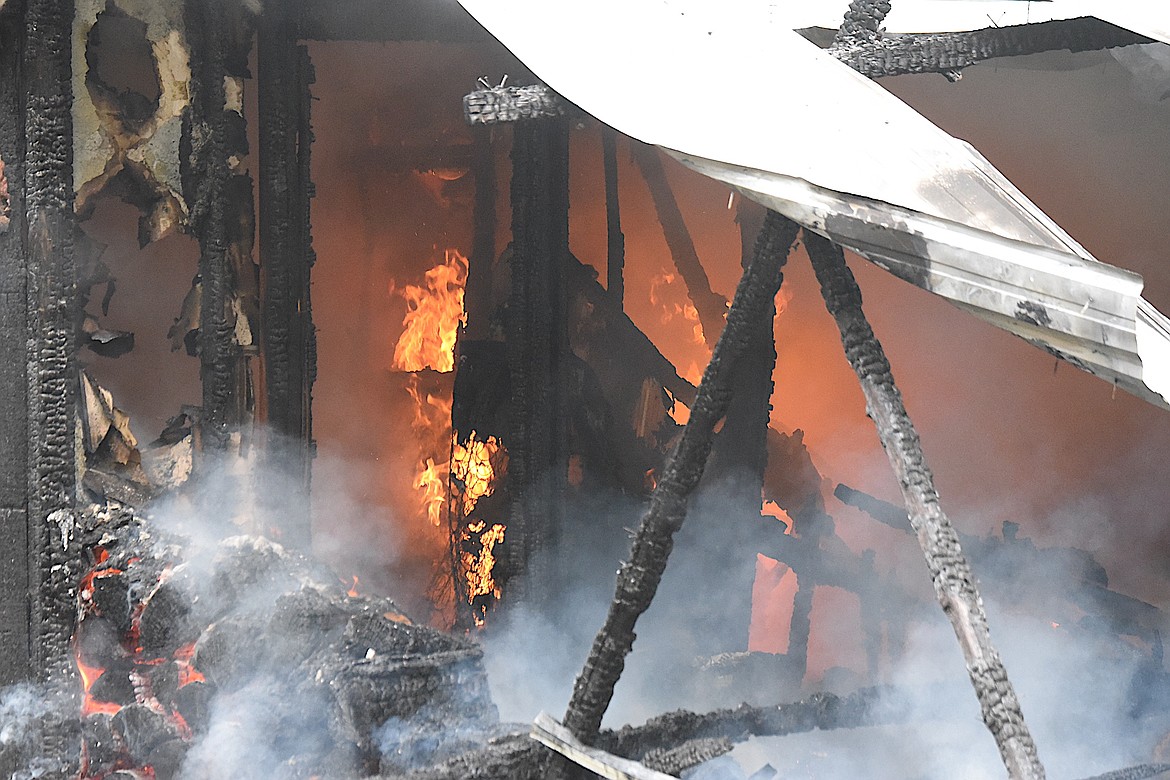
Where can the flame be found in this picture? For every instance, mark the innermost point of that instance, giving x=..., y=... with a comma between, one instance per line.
x=433, y=316
x=432, y=482
x=353, y=589
x=471, y=464
x=478, y=568
x=659, y=286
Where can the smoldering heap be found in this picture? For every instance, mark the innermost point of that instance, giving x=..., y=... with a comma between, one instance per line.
x=251, y=660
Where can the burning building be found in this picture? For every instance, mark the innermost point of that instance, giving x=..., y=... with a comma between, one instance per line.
x=350, y=343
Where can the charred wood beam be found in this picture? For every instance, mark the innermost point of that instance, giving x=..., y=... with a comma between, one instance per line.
x=1139, y=772
x=517, y=756
x=284, y=75
x=862, y=21
x=615, y=241
x=629, y=340
x=52, y=317
x=711, y=306
x=951, y=574
x=639, y=577
x=16, y=573
x=496, y=105
x=882, y=511
x=209, y=192
x=949, y=53
x=538, y=349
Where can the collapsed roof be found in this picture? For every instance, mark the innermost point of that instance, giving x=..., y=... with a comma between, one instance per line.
x=731, y=91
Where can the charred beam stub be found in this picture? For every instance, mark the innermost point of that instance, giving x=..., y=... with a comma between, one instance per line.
x=954, y=583
x=639, y=577
x=512, y=104
x=949, y=53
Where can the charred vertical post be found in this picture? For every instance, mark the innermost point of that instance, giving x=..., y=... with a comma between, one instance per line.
x=208, y=182
x=284, y=75
x=52, y=317
x=639, y=577
x=954, y=584
x=15, y=572
x=538, y=347
x=615, y=255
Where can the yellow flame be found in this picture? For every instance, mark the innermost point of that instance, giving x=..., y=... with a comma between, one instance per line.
x=471, y=464
x=434, y=312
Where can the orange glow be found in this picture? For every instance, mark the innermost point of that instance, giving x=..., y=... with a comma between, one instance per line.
x=187, y=673
x=353, y=589
x=89, y=675
x=433, y=315
x=432, y=485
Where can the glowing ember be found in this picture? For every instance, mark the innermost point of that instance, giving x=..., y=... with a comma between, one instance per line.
x=433, y=315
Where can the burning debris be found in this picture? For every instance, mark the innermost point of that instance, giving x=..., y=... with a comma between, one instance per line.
x=251, y=658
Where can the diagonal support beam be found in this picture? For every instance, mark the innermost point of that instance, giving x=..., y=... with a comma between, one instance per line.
x=639, y=577
x=954, y=584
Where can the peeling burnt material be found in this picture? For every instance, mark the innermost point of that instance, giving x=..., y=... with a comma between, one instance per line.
x=220, y=210
x=537, y=348
x=711, y=306
x=1033, y=313
x=862, y=22
x=639, y=577
x=949, y=53
x=286, y=252
x=951, y=574
x=615, y=241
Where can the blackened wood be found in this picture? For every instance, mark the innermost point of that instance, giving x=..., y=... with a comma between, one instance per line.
x=207, y=185
x=15, y=606
x=478, y=301
x=537, y=332
x=516, y=756
x=615, y=241
x=284, y=75
x=948, y=53
x=950, y=572
x=710, y=306
x=52, y=310
x=862, y=21
x=639, y=577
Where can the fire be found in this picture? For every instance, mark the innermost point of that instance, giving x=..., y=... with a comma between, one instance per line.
x=432, y=484
x=434, y=313
x=672, y=309
x=478, y=569
x=471, y=464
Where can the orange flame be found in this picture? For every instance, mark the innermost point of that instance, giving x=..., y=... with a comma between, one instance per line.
x=433, y=315
x=672, y=309
x=478, y=569
x=471, y=464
